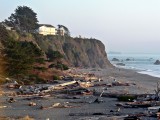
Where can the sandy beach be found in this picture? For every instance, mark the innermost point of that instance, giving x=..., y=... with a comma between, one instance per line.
x=83, y=108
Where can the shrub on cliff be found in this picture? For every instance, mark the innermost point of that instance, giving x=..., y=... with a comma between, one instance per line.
x=55, y=77
x=21, y=57
x=65, y=67
x=35, y=79
x=53, y=55
x=59, y=66
x=3, y=36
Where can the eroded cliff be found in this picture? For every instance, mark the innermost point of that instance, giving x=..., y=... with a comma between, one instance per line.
x=78, y=52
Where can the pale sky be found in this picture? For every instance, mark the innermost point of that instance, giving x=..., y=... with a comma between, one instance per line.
x=122, y=25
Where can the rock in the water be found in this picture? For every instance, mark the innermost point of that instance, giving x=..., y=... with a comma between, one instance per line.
x=130, y=59
x=157, y=62
x=120, y=64
x=115, y=59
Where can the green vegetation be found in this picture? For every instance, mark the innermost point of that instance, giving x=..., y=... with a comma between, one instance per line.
x=34, y=79
x=53, y=55
x=67, y=32
x=55, y=77
x=65, y=67
x=61, y=66
x=24, y=58
x=3, y=35
x=2, y=80
x=21, y=57
x=42, y=69
x=24, y=19
x=126, y=98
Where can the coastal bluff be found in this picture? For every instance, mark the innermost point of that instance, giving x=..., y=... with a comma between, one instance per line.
x=78, y=52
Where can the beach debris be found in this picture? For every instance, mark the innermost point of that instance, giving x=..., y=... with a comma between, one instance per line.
x=11, y=100
x=32, y=104
x=26, y=118
x=157, y=91
x=13, y=85
x=131, y=118
x=143, y=104
x=97, y=100
x=119, y=104
x=3, y=107
x=158, y=113
x=118, y=83
x=91, y=77
x=103, y=117
x=78, y=91
x=154, y=108
x=86, y=84
x=117, y=110
x=78, y=86
x=58, y=105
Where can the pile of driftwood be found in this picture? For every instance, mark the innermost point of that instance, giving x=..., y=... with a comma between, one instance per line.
x=81, y=84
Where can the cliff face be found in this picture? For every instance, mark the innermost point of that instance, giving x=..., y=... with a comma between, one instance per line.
x=78, y=52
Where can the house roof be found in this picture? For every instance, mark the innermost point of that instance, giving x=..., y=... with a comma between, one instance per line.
x=5, y=25
x=47, y=25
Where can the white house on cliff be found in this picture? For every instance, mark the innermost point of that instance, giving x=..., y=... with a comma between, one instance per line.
x=46, y=29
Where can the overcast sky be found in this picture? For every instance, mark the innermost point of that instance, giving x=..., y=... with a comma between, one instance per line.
x=122, y=25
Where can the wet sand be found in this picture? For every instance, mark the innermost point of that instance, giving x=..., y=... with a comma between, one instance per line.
x=83, y=111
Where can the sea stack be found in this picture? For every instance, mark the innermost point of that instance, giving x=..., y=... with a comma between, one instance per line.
x=157, y=62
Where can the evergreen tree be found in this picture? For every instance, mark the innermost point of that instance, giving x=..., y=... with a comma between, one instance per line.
x=24, y=19
x=67, y=32
x=21, y=57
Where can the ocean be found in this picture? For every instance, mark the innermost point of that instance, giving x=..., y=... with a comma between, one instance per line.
x=142, y=63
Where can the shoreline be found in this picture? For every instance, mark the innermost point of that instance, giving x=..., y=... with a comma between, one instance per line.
x=144, y=72
x=150, y=74
x=143, y=63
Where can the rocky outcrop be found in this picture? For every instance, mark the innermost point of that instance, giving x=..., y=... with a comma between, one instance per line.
x=115, y=59
x=157, y=62
x=130, y=59
x=78, y=52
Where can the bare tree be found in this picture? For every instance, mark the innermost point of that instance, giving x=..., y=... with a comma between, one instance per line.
x=157, y=91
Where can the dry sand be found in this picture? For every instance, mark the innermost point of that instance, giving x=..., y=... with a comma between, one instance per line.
x=143, y=84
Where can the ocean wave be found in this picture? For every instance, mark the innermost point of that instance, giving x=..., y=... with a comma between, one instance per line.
x=154, y=74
